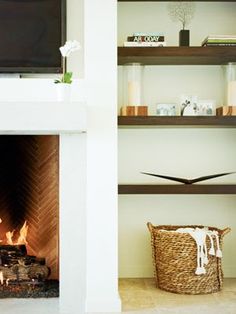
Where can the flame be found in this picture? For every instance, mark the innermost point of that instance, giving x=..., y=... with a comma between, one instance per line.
x=9, y=236
x=7, y=281
x=1, y=278
x=22, y=239
x=23, y=234
x=0, y=223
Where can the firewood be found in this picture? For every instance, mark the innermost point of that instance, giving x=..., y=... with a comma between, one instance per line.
x=21, y=272
x=17, y=250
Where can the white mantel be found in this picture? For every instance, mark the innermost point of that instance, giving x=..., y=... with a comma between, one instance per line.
x=44, y=117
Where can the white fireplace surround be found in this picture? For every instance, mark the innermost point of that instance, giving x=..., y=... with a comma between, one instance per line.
x=88, y=277
x=69, y=121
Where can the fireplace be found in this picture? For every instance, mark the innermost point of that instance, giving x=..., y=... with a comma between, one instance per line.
x=69, y=123
x=29, y=216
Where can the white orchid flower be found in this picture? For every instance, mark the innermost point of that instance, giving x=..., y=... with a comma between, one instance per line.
x=70, y=46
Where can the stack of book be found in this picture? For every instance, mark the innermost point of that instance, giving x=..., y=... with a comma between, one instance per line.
x=220, y=40
x=145, y=40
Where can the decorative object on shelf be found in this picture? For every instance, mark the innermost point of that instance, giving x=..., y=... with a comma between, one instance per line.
x=226, y=111
x=188, y=105
x=132, y=84
x=192, y=106
x=175, y=253
x=206, y=107
x=134, y=111
x=189, y=181
x=144, y=44
x=64, y=83
x=182, y=12
x=166, y=110
x=145, y=40
x=230, y=84
x=219, y=40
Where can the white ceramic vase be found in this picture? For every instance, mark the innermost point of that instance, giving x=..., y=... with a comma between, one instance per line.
x=63, y=92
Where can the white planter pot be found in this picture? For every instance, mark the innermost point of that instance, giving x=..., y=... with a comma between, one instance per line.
x=63, y=91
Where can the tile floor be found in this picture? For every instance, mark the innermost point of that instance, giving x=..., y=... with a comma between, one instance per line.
x=142, y=296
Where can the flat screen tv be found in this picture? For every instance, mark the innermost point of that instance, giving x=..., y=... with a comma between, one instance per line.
x=31, y=32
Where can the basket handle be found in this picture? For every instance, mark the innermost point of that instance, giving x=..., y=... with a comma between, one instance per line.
x=225, y=231
x=150, y=226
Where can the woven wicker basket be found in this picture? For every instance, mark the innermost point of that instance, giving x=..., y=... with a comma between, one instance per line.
x=175, y=261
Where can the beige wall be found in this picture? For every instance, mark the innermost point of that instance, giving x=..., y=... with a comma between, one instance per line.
x=185, y=152
x=75, y=30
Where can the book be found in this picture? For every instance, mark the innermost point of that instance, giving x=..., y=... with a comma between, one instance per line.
x=219, y=39
x=146, y=38
x=147, y=34
x=144, y=44
x=188, y=181
x=219, y=44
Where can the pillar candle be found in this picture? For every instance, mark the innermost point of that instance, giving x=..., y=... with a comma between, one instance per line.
x=134, y=93
x=231, y=93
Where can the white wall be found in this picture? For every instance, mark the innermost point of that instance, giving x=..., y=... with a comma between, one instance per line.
x=184, y=152
x=101, y=80
x=75, y=30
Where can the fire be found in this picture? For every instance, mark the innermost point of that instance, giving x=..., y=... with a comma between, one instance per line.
x=9, y=236
x=22, y=239
x=1, y=278
x=0, y=223
x=23, y=234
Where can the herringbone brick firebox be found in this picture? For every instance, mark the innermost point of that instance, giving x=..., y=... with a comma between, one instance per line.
x=29, y=191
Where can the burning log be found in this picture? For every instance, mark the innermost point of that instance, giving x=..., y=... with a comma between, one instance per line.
x=17, y=266
x=21, y=273
x=18, y=250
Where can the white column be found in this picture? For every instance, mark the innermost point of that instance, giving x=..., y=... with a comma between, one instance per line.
x=72, y=223
x=100, y=56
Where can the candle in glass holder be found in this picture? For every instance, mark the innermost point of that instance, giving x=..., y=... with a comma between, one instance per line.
x=230, y=84
x=132, y=87
x=231, y=99
x=134, y=93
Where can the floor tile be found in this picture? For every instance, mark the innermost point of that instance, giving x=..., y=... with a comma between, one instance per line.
x=142, y=296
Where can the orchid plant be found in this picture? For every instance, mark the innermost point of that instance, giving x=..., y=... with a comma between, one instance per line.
x=69, y=47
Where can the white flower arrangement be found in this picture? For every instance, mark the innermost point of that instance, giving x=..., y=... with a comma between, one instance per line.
x=69, y=47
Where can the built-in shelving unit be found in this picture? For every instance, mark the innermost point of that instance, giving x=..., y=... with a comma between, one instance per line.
x=177, y=189
x=177, y=121
x=177, y=55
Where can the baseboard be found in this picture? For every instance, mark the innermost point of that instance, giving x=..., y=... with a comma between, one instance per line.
x=108, y=305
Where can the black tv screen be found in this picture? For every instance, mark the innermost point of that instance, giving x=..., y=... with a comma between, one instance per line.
x=31, y=32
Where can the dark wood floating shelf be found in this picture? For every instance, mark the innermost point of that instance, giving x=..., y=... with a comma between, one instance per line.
x=174, y=0
x=177, y=189
x=177, y=55
x=175, y=121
